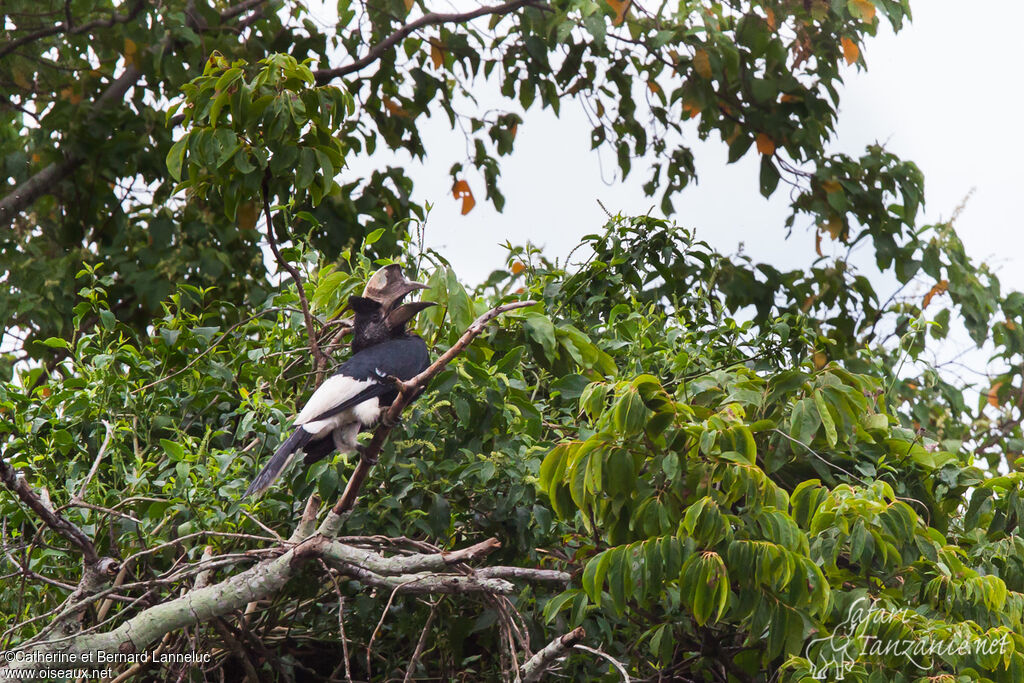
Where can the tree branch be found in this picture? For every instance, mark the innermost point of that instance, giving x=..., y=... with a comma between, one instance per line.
x=67, y=28
x=415, y=574
x=537, y=665
x=324, y=76
x=43, y=181
x=319, y=360
x=409, y=390
x=19, y=486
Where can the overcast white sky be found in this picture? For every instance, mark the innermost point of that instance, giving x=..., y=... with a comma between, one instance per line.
x=945, y=93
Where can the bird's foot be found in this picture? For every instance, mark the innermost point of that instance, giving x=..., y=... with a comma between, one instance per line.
x=363, y=450
x=390, y=423
x=385, y=377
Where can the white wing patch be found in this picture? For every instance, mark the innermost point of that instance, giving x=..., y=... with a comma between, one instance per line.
x=333, y=392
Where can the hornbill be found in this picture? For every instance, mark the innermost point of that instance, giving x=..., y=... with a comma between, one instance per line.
x=362, y=387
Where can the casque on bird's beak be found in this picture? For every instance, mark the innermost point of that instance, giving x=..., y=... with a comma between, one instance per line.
x=388, y=286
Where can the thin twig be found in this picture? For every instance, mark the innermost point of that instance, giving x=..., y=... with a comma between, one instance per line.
x=95, y=463
x=319, y=359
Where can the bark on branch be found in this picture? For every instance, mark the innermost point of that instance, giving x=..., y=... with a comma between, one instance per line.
x=324, y=76
x=536, y=666
x=416, y=574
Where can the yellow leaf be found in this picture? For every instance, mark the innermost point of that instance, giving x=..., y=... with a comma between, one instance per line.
x=600, y=108
x=460, y=190
x=831, y=186
x=702, y=64
x=864, y=8
x=820, y=360
x=408, y=5
x=765, y=145
x=834, y=228
x=620, y=7
x=850, y=51
x=517, y=268
x=938, y=288
x=770, y=15
x=130, y=48
x=993, y=395
x=248, y=213
x=436, y=56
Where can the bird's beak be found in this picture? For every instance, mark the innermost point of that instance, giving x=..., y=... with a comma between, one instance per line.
x=405, y=312
x=389, y=286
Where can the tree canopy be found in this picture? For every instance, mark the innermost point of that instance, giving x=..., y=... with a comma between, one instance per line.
x=677, y=464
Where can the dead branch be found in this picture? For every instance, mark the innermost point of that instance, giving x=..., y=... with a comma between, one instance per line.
x=19, y=486
x=405, y=574
x=537, y=665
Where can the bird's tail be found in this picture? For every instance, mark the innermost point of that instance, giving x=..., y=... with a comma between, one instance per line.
x=278, y=462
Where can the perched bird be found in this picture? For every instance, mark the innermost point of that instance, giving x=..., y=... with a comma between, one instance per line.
x=362, y=387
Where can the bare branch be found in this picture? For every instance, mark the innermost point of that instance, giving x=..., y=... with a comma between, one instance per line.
x=537, y=665
x=18, y=485
x=326, y=75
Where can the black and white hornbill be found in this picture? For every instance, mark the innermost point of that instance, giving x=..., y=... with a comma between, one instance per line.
x=362, y=388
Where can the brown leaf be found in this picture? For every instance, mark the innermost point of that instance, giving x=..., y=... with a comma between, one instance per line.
x=517, y=268
x=408, y=5
x=436, y=56
x=654, y=87
x=938, y=288
x=702, y=64
x=850, y=51
x=394, y=108
x=817, y=242
x=620, y=7
x=460, y=190
x=993, y=395
x=770, y=16
x=248, y=213
x=765, y=145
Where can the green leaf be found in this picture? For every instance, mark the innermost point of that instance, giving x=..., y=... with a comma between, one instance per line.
x=826, y=417
x=176, y=157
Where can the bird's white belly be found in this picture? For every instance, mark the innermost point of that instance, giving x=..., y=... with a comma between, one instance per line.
x=365, y=413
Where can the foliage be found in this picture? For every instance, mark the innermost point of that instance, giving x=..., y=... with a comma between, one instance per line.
x=729, y=458
x=84, y=135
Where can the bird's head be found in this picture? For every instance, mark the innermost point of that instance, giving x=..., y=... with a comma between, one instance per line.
x=379, y=313
x=389, y=285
